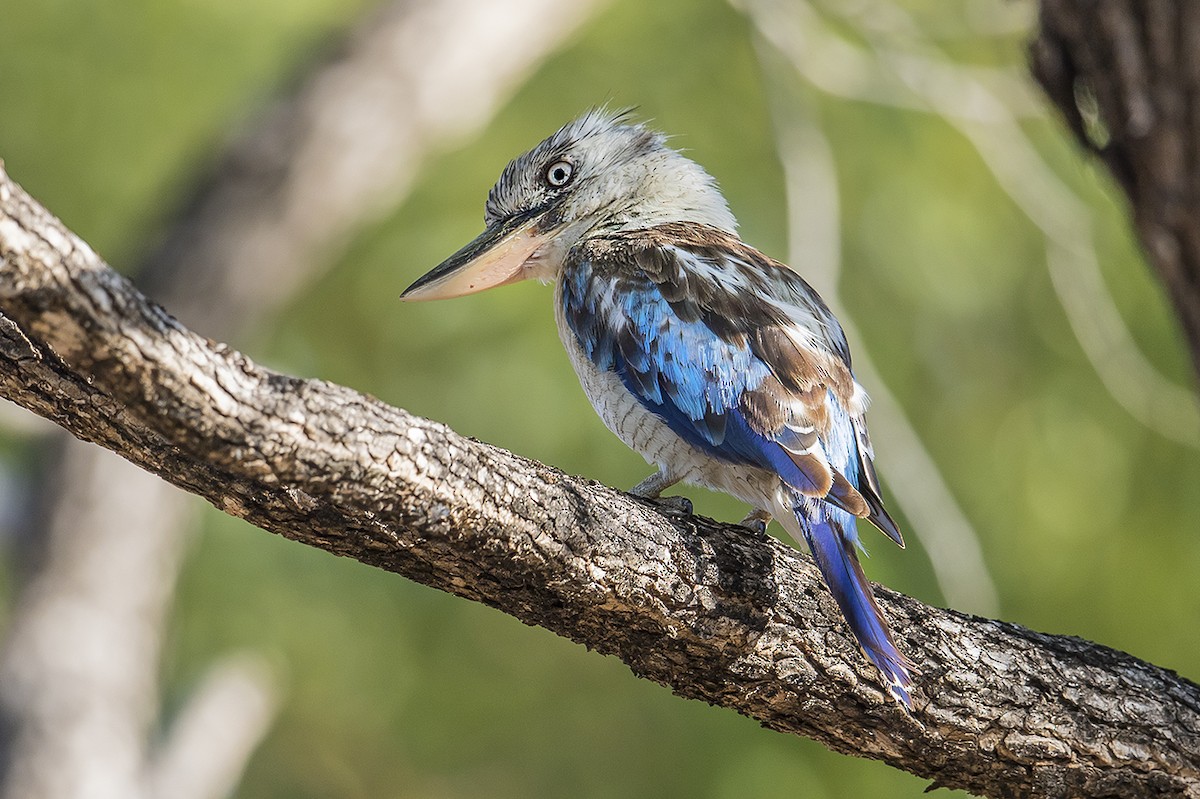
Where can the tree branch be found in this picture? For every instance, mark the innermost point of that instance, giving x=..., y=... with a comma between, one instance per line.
x=714, y=612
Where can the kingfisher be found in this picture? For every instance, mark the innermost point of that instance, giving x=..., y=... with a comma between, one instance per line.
x=721, y=366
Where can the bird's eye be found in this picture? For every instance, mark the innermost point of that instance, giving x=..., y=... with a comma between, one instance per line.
x=560, y=173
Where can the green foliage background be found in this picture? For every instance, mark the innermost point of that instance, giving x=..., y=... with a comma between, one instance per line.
x=109, y=112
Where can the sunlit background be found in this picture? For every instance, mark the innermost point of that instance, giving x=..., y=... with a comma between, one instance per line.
x=897, y=155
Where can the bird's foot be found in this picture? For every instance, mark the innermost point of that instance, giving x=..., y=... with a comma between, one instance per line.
x=757, y=521
x=653, y=485
x=651, y=489
x=672, y=506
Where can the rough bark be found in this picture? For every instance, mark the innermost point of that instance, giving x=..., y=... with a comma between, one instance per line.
x=715, y=612
x=1126, y=76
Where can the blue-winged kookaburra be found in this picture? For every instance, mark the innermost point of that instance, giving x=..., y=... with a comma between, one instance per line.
x=721, y=366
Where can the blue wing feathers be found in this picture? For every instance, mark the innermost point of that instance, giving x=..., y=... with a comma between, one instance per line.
x=687, y=375
x=693, y=374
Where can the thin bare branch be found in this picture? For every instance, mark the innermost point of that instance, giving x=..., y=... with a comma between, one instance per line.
x=414, y=80
x=207, y=747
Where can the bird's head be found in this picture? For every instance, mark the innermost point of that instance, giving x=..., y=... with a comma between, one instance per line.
x=600, y=173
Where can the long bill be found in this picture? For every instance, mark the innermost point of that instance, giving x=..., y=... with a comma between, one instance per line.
x=496, y=257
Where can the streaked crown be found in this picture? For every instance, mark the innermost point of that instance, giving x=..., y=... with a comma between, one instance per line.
x=615, y=174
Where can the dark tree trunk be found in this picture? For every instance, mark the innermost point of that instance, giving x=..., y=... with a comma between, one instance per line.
x=1126, y=76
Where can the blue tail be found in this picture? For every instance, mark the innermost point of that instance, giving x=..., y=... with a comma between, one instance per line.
x=834, y=551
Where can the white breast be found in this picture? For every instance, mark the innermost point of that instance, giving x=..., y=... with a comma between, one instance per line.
x=645, y=433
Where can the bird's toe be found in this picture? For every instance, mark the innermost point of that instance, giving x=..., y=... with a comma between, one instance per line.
x=757, y=521
x=673, y=506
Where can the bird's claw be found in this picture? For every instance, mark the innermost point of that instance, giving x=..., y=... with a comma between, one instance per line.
x=757, y=521
x=672, y=506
